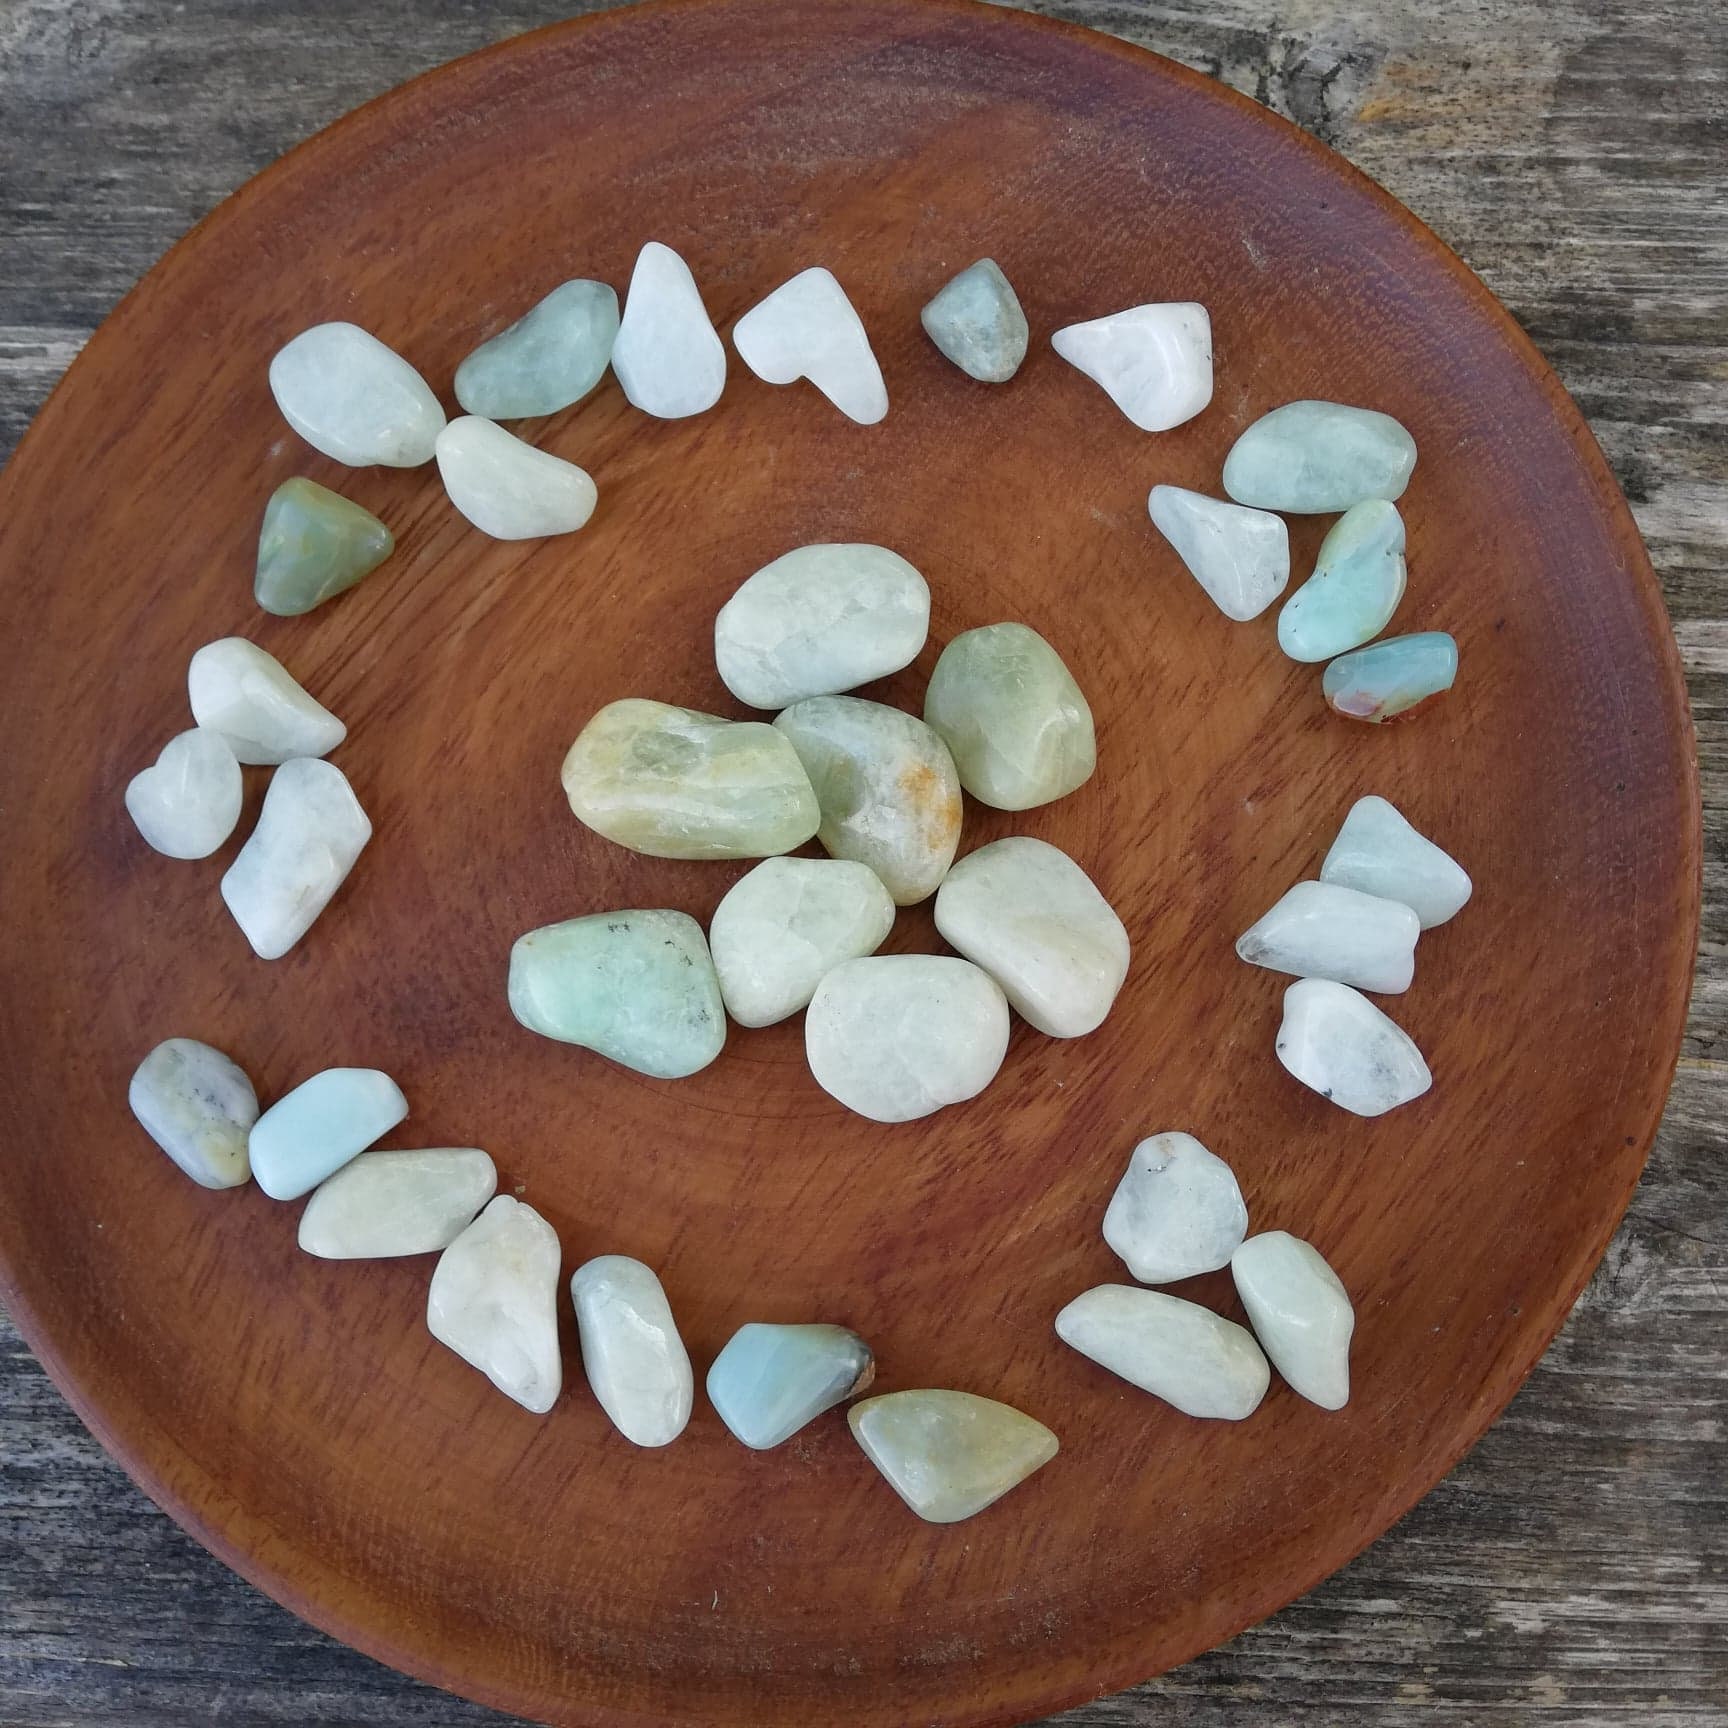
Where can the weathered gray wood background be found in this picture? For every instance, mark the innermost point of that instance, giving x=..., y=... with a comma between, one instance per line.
x=1575, y=1568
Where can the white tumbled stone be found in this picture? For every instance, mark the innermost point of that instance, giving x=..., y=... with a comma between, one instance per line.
x=248, y=696
x=1336, y=1041
x=667, y=355
x=1324, y=930
x=807, y=328
x=507, y=488
x=635, y=1361
x=1378, y=852
x=1300, y=1312
x=199, y=1107
x=187, y=801
x=1241, y=557
x=1177, y=1212
x=386, y=1204
x=1154, y=362
x=354, y=399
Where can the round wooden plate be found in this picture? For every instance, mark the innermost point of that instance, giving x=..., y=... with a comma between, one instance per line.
x=296, y=1415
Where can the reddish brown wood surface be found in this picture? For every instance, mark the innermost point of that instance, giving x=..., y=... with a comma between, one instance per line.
x=297, y=1415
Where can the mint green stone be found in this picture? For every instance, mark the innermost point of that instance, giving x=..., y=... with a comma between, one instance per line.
x=314, y=545
x=1357, y=583
x=1389, y=677
x=770, y=1381
x=1308, y=458
x=550, y=357
x=638, y=987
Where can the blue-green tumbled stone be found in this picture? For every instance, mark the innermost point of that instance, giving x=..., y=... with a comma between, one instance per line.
x=314, y=544
x=976, y=321
x=1390, y=677
x=771, y=1380
x=1307, y=458
x=1357, y=583
x=550, y=357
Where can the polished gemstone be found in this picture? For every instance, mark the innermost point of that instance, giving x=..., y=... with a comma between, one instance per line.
x=311, y=1132
x=1176, y=1212
x=199, y=1107
x=1336, y=1041
x=1324, y=930
x=1378, y=852
x=187, y=801
x=507, y=488
x=354, y=399
x=635, y=1361
x=770, y=1381
x=667, y=356
x=552, y=356
x=235, y=688
x=1300, y=1312
x=976, y=321
x=314, y=545
x=1154, y=362
x=807, y=328
x=1357, y=583
x=386, y=1204
x=1241, y=557
x=1310, y=458
x=1391, y=677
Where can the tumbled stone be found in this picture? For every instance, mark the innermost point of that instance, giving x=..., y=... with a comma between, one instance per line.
x=1241, y=557
x=1336, y=1041
x=311, y=1132
x=199, y=1107
x=551, y=357
x=1177, y=1212
x=948, y=1455
x=1378, y=852
x=1309, y=458
x=1324, y=930
x=1035, y=921
x=787, y=924
x=354, y=399
x=638, y=987
x=1391, y=677
x=770, y=1381
x=807, y=328
x=898, y=1036
x=1203, y=1364
x=631, y=1352
x=314, y=544
x=494, y=1301
x=674, y=783
x=819, y=620
x=886, y=787
x=310, y=831
x=235, y=688
x=1357, y=583
x=387, y=1204
x=1154, y=362
x=187, y=801
x=1013, y=717
x=976, y=321
x=507, y=488
x=667, y=356
x=1300, y=1312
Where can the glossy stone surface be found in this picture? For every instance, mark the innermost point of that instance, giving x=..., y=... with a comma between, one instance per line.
x=1035, y=921
x=311, y=1132
x=235, y=688
x=314, y=544
x=1391, y=677
x=675, y=783
x=1177, y=1211
x=1241, y=557
x=507, y=488
x=667, y=355
x=638, y=987
x=818, y=620
x=494, y=1301
x=631, y=1352
x=1336, y=1041
x=199, y=1107
x=807, y=328
x=1324, y=930
x=552, y=356
x=975, y=320
x=1357, y=583
x=1190, y=1357
x=1010, y=712
x=1300, y=1312
x=1154, y=362
x=788, y=923
x=886, y=787
x=387, y=1204
x=187, y=801
x=309, y=834
x=1379, y=852
x=898, y=1036
x=1310, y=458
x=354, y=399
x=948, y=1455
x=770, y=1381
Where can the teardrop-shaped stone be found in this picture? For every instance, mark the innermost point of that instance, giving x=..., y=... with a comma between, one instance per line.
x=387, y=1204
x=199, y=1107
x=976, y=321
x=314, y=545
x=1241, y=557
x=1357, y=583
x=636, y=1363
x=1391, y=677
x=638, y=987
x=1325, y=930
x=1011, y=714
x=494, y=1301
x=667, y=355
x=1300, y=1312
x=1308, y=458
x=1177, y=1212
x=1336, y=1041
x=354, y=399
x=1379, y=852
x=886, y=787
x=1154, y=362
x=807, y=328
x=507, y=488
x=551, y=357
x=949, y=1455
x=770, y=1381
x=311, y=1132
x=235, y=688
x=187, y=801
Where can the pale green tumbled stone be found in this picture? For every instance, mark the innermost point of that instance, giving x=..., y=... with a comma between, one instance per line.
x=1308, y=458
x=770, y=1381
x=314, y=545
x=1391, y=677
x=1010, y=712
x=638, y=987
x=976, y=321
x=674, y=783
x=552, y=356
x=1357, y=583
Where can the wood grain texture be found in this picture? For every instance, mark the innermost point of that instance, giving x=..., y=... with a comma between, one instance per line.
x=1572, y=1569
